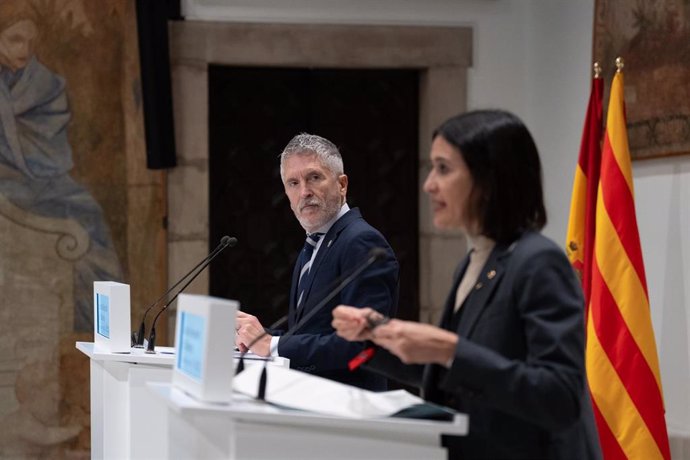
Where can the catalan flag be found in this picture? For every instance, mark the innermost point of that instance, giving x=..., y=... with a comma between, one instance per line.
x=621, y=357
x=580, y=237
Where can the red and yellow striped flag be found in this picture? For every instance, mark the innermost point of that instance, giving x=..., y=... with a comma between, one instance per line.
x=580, y=237
x=621, y=358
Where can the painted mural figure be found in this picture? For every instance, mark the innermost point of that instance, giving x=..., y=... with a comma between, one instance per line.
x=36, y=157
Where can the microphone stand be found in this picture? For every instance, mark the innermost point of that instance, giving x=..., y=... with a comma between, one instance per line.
x=374, y=255
x=151, y=346
x=138, y=337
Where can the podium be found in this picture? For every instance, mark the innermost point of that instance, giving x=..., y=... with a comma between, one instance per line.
x=250, y=429
x=126, y=420
x=120, y=404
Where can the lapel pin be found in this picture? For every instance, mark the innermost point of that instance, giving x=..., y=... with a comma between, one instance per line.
x=491, y=274
x=329, y=243
x=478, y=286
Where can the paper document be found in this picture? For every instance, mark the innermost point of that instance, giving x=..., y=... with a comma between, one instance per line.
x=251, y=356
x=298, y=390
x=171, y=351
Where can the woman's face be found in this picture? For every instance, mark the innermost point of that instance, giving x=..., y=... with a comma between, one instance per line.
x=449, y=185
x=16, y=44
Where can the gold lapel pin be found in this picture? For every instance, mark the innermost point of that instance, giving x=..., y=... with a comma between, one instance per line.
x=491, y=274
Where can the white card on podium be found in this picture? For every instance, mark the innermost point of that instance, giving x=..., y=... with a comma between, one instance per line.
x=205, y=344
x=111, y=316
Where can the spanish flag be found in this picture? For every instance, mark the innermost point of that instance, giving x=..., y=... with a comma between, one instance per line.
x=580, y=237
x=621, y=357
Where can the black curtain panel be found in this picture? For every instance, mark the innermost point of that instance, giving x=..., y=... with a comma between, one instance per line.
x=152, y=26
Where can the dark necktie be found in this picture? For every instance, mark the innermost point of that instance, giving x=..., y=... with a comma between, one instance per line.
x=307, y=252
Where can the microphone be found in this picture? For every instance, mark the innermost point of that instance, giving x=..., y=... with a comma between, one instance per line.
x=138, y=337
x=375, y=254
x=224, y=243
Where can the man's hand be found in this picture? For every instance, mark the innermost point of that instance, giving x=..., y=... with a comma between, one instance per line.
x=248, y=329
x=416, y=343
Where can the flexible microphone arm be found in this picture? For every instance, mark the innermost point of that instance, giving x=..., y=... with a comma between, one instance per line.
x=375, y=255
x=138, y=337
x=223, y=244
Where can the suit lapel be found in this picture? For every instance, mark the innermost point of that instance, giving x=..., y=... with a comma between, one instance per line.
x=430, y=373
x=329, y=240
x=489, y=278
x=450, y=300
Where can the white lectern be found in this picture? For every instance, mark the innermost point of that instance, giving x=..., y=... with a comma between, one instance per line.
x=248, y=429
x=126, y=420
x=121, y=406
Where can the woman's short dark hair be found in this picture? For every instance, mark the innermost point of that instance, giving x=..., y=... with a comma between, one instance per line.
x=507, y=196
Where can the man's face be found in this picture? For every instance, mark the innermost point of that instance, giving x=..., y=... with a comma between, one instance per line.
x=315, y=193
x=16, y=44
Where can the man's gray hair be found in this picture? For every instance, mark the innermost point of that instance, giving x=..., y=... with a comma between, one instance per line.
x=311, y=144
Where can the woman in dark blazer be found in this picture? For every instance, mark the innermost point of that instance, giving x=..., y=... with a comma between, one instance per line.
x=510, y=348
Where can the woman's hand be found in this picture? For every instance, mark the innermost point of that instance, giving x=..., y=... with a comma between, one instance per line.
x=416, y=343
x=352, y=323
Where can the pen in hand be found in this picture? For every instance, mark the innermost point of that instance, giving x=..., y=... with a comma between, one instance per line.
x=375, y=320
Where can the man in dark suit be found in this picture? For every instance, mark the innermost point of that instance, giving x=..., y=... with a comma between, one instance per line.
x=338, y=241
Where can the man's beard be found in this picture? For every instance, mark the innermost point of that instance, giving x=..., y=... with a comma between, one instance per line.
x=326, y=211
